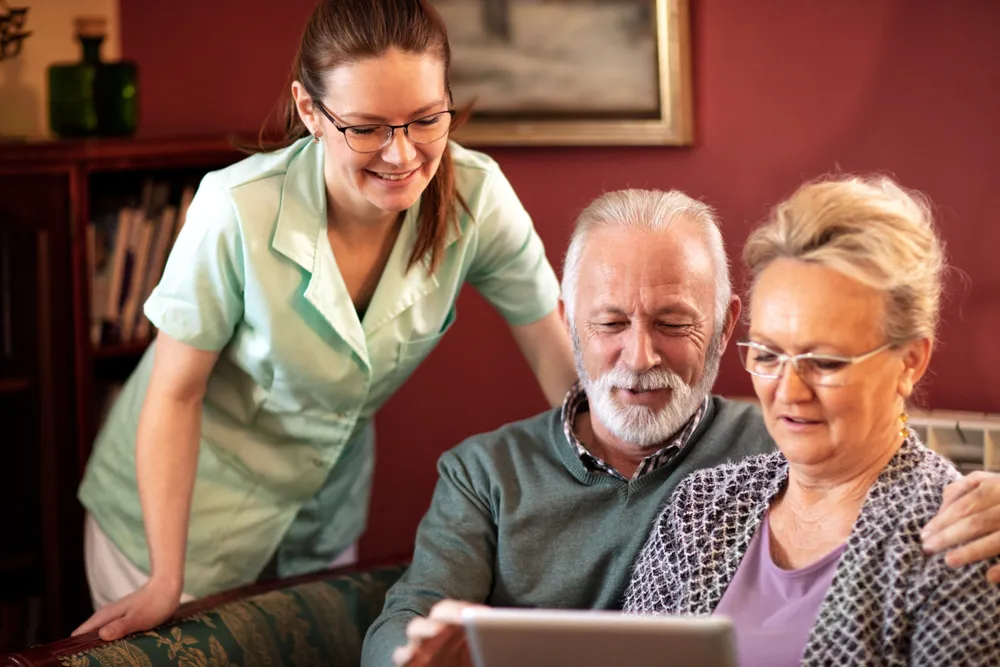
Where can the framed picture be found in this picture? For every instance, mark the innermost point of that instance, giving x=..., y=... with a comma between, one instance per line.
x=571, y=72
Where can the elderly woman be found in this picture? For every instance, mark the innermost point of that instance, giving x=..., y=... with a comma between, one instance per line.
x=815, y=551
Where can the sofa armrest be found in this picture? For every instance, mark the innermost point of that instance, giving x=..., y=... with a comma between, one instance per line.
x=319, y=618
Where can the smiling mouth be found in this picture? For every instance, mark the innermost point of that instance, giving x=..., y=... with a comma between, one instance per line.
x=392, y=177
x=799, y=421
x=646, y=397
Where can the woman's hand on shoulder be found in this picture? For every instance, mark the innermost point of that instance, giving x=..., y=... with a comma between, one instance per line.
x=968, y=524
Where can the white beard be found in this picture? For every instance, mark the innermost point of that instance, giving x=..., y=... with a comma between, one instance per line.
x=641, y=425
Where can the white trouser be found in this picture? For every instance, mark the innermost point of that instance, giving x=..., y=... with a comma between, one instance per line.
x=111, y=576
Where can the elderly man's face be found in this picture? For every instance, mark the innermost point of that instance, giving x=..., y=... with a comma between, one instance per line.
x=643, y=330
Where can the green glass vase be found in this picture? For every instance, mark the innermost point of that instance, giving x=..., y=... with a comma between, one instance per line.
x=93, y=98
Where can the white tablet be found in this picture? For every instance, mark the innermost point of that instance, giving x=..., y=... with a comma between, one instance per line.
x=548, y=638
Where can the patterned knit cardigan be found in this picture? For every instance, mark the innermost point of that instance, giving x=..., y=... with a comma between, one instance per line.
x=888, y=604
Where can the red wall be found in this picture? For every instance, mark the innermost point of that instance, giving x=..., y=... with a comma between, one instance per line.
x=785, y=91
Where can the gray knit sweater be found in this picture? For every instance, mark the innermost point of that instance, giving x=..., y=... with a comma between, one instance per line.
x=518, y=520
x=888, y=604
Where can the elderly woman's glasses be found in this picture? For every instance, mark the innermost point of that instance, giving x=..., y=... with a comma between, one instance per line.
x=820, y=370
x=371, y=138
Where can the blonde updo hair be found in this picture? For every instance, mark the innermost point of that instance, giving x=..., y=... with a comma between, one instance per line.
x=870, y=229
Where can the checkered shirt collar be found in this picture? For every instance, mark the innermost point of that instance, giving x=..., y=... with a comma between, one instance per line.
x=576, y=402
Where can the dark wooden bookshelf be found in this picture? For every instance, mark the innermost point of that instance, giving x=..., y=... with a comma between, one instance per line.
x=53, y=379
x=121, y=153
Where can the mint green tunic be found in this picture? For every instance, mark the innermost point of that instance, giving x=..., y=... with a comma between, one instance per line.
x=286, y=453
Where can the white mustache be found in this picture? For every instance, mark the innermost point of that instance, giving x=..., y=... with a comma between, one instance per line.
x=622, y=378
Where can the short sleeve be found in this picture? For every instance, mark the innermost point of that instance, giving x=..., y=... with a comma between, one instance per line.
x=510, y=268
x=199, y=299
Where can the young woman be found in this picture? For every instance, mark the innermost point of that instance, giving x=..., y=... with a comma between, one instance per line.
x=306, y=286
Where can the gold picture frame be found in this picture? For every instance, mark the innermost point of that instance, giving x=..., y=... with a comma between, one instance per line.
x=669, y=123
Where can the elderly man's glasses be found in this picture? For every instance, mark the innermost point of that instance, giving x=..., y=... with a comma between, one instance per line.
x=371, y=138
x=818, y=370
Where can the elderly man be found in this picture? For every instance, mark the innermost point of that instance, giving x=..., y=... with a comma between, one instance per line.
x=551, y=511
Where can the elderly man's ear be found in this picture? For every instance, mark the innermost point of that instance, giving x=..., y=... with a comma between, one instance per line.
x=732, y=318
x=563, y=316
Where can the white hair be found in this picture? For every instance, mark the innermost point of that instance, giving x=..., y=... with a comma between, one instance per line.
x=647, y=210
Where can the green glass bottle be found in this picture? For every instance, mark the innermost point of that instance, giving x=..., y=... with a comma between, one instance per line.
x=92, y=97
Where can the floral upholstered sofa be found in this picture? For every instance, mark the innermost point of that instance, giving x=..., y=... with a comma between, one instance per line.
x=313, y=620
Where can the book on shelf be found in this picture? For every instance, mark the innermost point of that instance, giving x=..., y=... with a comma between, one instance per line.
x=136, y=279
x=127, y=251
x=161, y=241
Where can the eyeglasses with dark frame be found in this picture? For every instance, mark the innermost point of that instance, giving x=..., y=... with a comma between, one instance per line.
x=372, y=137
x=818, y=370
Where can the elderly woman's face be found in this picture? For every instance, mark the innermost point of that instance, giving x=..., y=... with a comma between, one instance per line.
x=798, y=307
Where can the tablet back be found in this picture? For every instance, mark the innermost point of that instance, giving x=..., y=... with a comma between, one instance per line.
x=547, y=638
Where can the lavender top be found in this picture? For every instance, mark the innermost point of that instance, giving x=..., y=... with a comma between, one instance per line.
x=774, y=610
x=889, y=603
